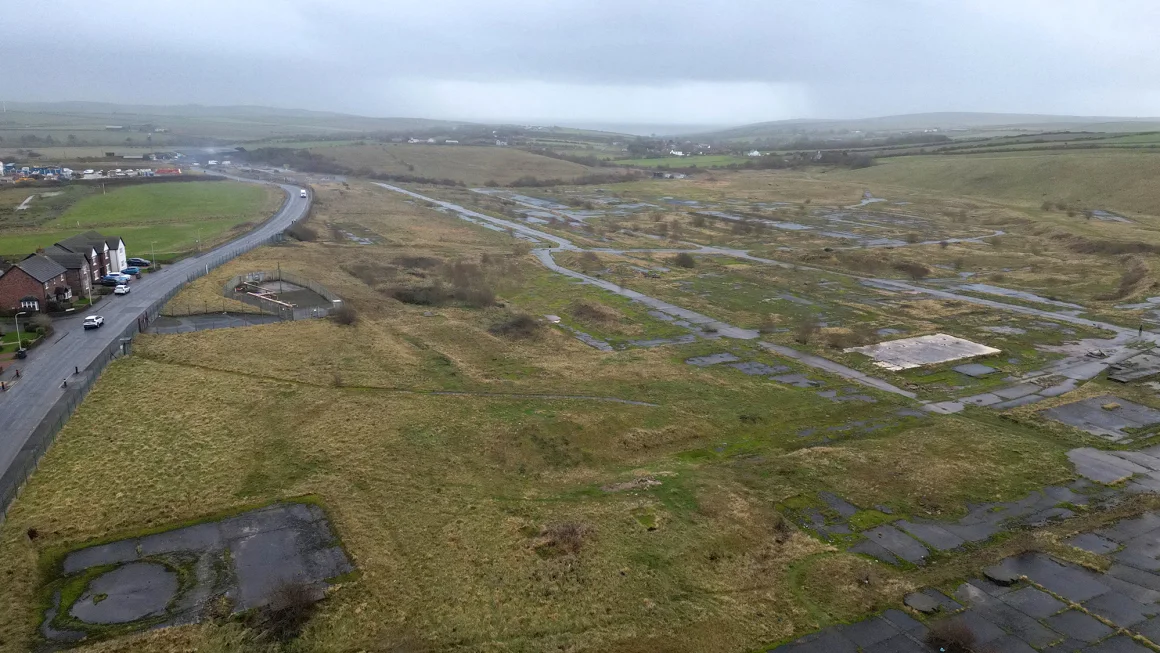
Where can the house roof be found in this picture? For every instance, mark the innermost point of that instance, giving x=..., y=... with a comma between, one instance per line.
x=113, y=242
x=83, y=241
x=40, y=267
x=70, y=260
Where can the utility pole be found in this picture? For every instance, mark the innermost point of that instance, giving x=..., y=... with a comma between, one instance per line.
x=279, y=279
x=19, y=346
x=153, y=251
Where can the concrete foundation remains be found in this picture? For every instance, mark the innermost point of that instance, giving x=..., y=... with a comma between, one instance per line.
x=176, y=577
x=914, y=352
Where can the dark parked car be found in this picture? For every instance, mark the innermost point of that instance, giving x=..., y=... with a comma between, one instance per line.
x=139, y=262
x=131, y=271
x=111, y=280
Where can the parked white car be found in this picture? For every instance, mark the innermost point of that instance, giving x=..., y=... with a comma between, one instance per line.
x=121, y=290
x=93, y=322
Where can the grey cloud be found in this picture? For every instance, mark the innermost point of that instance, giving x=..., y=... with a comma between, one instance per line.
x=847, y=57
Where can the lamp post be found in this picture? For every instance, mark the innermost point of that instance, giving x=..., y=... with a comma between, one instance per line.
x=153, y=250
x=19, y=346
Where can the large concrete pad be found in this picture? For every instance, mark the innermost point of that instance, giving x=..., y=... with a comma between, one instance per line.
x=918, y=351
x=246, y=557
x=128, y=593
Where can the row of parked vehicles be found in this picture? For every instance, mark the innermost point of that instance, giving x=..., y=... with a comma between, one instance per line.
x=120, y=284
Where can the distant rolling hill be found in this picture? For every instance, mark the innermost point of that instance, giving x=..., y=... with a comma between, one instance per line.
x=205, y=121
x=944, y=121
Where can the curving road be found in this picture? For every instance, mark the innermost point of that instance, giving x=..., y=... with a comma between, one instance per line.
x=30, y=398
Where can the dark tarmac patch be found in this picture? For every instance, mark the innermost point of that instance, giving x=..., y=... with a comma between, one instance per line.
x=712, y=359
x=1107, y=416
x=175, y=577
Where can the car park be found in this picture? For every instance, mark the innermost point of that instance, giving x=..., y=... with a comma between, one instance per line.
x=93, y=322
x=131, y=271
x=121, y=290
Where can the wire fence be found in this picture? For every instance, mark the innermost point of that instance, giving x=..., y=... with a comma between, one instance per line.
x=44, y=434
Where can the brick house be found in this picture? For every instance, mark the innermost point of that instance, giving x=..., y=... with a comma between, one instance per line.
x=79, y=274
x=32, y=283
x=95, y=247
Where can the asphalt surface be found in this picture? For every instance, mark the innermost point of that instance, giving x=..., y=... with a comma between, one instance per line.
x=30, y=397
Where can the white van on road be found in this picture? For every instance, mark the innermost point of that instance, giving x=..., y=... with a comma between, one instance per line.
x=301, y=192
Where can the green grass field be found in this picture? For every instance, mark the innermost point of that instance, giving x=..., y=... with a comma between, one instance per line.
x=1114, y=181
x=685, y=161
x=167, y=218
x=474, y=166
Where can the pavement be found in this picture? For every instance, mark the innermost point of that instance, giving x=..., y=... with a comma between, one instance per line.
x=29, y=398
x=248, y=557
x=1030, y=602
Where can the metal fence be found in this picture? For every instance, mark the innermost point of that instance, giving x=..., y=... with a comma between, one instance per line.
x=43, y=435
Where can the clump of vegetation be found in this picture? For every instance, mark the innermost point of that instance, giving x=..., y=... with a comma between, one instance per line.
x=684, y=260
x=805, y=330
x=912, y=269
x=345, y=315
x=519, y=326
x=590, y=262
x=429, y=281
x=857, y=336
x=560, y=539
x=301, y=232
x=951, y=636
x=590, y=311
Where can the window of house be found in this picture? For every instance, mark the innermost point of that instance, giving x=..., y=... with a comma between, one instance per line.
x=30, y=304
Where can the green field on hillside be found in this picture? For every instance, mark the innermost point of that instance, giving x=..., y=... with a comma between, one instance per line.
x=685, y=161
x=474, y=166
x=1115, y=181
x=166, y=218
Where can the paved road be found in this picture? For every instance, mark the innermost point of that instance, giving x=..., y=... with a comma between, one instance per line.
x=30, y=398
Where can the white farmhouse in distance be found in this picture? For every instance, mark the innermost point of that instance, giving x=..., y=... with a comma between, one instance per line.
x=753, y=153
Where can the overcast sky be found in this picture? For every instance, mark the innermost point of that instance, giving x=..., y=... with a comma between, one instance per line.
x=706, y=62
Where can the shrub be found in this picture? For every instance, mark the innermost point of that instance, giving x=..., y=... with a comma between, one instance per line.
x=286, y=615
x=430, y=295
x=40, y=321
x=1046, y=206
x=418, y=262
x=301, y=232
x=565, y=538
x=589, y=311
x=805, y=330
x=345, y=315
x=589, y=261
x=914, y=270
x=698, y=220
x=25, y=343
x=519, y=326
x=951, y=636
x=684, y=260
